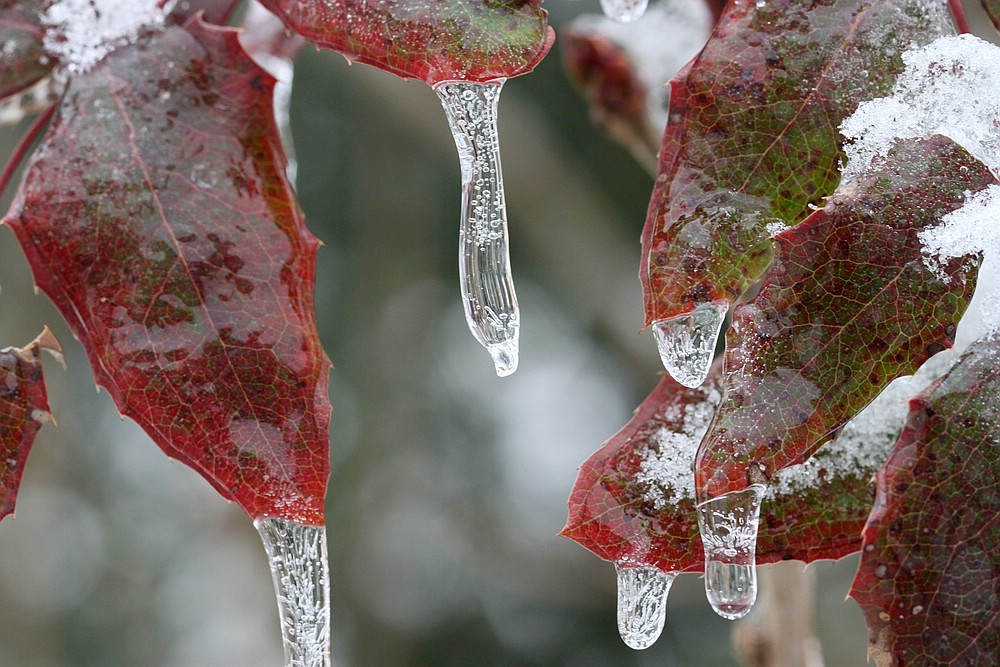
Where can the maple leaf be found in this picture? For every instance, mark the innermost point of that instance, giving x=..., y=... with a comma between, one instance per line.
x=927, y=581
x=470, y=40
x=752, y=139
x=24, y=407
x=847, y=306
x=157, y=217
x=23, y=60
x=634, y=502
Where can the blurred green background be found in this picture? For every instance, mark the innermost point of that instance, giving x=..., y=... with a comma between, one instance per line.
x=449, y=484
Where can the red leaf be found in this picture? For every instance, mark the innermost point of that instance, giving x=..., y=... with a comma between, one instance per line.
x=633, y=501
x=930, y=569
x=23, y=60
x=157, y=217
x=24, y=407
x=212, y=11
x=753, y=140
x=847, y=306
x=622, y=68
x=471, y=40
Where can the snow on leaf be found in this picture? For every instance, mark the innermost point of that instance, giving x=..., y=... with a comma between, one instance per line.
x=634, y=500
x=623, y=68
x=753, y=140
x=928, y=577
x=81, y=32
x=157, y=217
x=24, y=407
x=23, y=60
x=939, y=92
x=442, y=40
x=847, y=306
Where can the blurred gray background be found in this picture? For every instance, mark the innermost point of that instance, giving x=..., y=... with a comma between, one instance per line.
x=449, y=484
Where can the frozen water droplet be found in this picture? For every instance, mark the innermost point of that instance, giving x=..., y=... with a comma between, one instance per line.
x=729, y=533
x=298, y=559
x=687, y=342
x=642, y=604
x=624, y=11
x=484, y=254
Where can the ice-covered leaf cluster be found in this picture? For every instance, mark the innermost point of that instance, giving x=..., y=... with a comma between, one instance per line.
x=81, y=32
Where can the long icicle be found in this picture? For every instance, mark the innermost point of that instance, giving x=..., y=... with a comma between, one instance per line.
x=484, y=255
x=298, y=558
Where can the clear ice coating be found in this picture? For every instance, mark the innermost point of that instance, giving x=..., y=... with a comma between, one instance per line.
x=624, y=11
x=298, y=560
x=484, y=254
x=642, y=604
x=687, y=342
x=729, y=533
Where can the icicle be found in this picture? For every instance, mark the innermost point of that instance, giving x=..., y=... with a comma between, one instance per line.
x=687, y=342
x=484, y=257
x=297, y=555
x=624, y=11
x=729, y=533
x=642, y=604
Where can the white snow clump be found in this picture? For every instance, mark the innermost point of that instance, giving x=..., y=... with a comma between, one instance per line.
x=81, y=32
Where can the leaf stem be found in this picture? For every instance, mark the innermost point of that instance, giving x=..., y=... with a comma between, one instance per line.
x=958, y=12
x=23, y=147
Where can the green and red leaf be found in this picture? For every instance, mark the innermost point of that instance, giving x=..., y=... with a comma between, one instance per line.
x=848, y=305
x=930, y=566
x=633, y=501
x=157, y=217
x=23, y=60
x=24, y=407
x=441, y=40
x=752, y=140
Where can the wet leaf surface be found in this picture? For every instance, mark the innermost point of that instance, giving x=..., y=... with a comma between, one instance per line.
x=471, y=40
x=24, y=407
x=23, y=60
x=848, y=305
x=157, y=217
x=633, y=501
x=930, y=566
x=753, y=141
x=213, y=11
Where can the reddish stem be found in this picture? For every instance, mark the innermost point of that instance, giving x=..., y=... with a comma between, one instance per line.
x=958, y=11
x=23, y=147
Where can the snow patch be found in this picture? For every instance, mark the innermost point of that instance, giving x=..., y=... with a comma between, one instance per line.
x=948, y=87
x=667, y=471
x=81, y=32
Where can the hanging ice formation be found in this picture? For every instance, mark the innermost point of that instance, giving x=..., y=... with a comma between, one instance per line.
x=624, y=11
x=484, y=255
x=298, y=559
x=642, y=604
x=687, y=342
x=728, y=527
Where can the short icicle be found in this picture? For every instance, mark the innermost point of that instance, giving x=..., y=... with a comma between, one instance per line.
x=728, y=527
x=484, y=255
x=624, y=11
x=298, y=560
x=687, y=342
x=642, y=604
